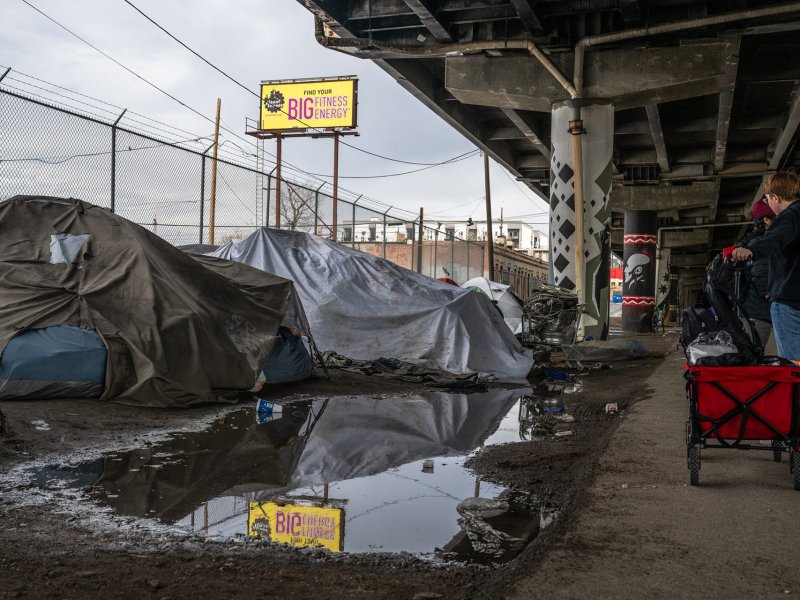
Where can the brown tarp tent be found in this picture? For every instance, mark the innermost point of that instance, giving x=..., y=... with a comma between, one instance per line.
x=178, y=330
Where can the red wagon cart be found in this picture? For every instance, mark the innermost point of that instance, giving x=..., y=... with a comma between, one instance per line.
x=732, y=407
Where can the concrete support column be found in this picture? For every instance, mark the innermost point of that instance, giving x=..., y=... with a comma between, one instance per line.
x=597, y=144
x=639, y=270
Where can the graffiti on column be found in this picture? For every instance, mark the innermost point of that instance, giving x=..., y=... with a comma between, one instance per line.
x=638, y=283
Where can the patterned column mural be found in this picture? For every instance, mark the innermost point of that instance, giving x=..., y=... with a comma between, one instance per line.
x=597, y=148
x=639, y=270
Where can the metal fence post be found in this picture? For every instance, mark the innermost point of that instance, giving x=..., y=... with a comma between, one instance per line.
x=269, y=195
x=419, y=242
x=384, y=232
x=353, y=230
x=114, y=160
x=435, y=252
x=316, y=208
x=203, y=190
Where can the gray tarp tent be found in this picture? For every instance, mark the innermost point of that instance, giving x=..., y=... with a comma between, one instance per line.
x=366, y=308
x=177, y=329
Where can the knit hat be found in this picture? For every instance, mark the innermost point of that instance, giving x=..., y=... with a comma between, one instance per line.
x=761, y=209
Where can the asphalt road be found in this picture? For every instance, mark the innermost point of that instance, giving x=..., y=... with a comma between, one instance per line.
x=640, y=531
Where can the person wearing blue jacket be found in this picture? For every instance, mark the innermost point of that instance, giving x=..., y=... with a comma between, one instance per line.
x=781, y=244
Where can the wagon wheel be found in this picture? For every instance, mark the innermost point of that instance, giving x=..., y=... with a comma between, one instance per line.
x=794, y=465
x=777, y=450
x=693, y=456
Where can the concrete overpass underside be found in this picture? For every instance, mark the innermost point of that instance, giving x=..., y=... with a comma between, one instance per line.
x=704, y=94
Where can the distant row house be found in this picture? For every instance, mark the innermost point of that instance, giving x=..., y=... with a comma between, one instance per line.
x=455, y=249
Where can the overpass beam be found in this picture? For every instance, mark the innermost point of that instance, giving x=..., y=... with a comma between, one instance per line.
x=583, y=267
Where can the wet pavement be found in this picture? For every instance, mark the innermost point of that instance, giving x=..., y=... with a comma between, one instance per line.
x=355, y=474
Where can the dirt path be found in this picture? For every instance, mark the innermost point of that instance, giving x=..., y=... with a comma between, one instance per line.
x=642, y=532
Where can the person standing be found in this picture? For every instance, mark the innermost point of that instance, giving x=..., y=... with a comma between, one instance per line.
x=755, y=301
x=781, y=244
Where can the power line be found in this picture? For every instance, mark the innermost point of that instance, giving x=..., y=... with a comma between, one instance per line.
x=516, y=184
x=447, y=162
x=243, y=151
x=101, y=101
x=61, y=160
x=131, y=71
x=183, y=103
x=248, y=90
x=209, y=63
x=115, y=61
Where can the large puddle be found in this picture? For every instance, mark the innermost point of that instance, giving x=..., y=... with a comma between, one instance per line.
x=353, y=474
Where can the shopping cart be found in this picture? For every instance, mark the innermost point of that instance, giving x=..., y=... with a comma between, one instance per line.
x=550, y=319
x=733, y=407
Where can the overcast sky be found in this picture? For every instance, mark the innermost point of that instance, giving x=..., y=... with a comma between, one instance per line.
x=253, y=40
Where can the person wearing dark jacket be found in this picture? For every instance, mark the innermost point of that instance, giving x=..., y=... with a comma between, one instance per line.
x=755, y=302
x=781, y=244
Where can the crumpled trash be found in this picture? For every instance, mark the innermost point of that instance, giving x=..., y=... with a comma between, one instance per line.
x=484, y=508
x=710, y=344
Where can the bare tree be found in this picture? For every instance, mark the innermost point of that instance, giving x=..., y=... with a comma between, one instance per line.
x=297, y=207
x=232, y=235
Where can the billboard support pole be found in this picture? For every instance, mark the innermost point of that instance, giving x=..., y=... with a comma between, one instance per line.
x=278, y=181
x=336, y=182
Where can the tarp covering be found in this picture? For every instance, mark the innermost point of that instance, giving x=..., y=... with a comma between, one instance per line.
x=175, y=330
x=364, y=307
x=54, y=362
x=508, y=302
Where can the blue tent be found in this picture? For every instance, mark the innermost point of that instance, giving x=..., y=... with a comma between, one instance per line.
x=54, y=362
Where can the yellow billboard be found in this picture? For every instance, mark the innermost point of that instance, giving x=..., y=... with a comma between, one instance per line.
x=308, y=104
x=297, y=525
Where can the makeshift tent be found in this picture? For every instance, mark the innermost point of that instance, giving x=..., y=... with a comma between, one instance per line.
x=364, y=307
x=289, y=359
x=177, y=329
x=503, y=297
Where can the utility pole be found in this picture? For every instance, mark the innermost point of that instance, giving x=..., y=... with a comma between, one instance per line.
x=213, y=206
x=489, y=236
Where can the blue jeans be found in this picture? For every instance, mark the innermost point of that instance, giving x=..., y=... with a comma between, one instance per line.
x=786, y=324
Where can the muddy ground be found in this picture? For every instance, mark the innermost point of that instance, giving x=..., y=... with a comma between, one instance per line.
x=52, y=546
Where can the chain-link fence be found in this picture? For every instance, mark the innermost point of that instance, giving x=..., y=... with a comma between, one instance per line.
x=164, y=183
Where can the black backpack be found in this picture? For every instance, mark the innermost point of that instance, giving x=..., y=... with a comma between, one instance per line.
x=724, y=278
